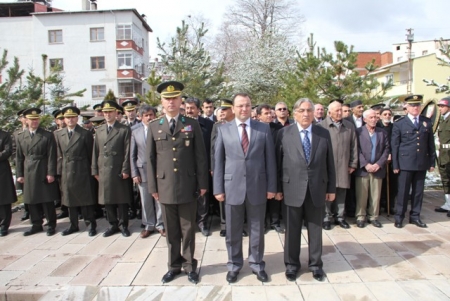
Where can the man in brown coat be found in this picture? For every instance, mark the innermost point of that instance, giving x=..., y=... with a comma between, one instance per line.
x=74, y=150
x=8, y=195
x=111, y=167
x=177, y=174
x=36, y=169
x=345, y=153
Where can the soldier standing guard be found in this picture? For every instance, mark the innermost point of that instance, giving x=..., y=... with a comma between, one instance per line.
x=111, y=167
x=444, y=152
x=74, y=149
x=36, y=169
x=177, y=174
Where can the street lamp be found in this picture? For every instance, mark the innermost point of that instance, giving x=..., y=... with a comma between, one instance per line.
x=410, y=39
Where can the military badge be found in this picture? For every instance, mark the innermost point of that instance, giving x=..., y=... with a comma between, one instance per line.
x=170, y=88
x=187, y=128
x=424, y=124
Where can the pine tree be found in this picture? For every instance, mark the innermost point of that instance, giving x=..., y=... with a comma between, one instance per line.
x=110, y=96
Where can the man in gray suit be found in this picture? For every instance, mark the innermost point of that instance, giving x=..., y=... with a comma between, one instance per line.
x=244, y=177
x=306, y=179
x=138, y=162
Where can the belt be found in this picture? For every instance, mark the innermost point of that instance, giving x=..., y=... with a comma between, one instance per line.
x=445, y=145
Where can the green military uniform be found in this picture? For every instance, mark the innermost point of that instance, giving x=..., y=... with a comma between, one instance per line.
x=444, y=153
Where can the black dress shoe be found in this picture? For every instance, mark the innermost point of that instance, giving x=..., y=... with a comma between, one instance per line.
x=192, y=277
x=3, y=231
x=131, y=215
x=398, y=225
x=205, y=231
x=33, y=230
x=244, y=233
x=92, y=232
x=111, y=231
x=360, y=224
x=25, y=216
x=125, y=232
x=62, y=214
x=223, y=233
x=343, y=224
x=439, y=209
x=51, y=231
x=326, y=225
x=375, y=223
x=418, y=223
x=232, y=277
x=291, y=275
x=261, y=276
x=277, y=229
x=169, y=276
x=69, y=231
x=318, y=275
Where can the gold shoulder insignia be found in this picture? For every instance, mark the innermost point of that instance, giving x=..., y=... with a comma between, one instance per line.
x=156, y=119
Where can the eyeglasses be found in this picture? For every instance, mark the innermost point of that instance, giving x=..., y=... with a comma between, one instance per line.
x=281, y=109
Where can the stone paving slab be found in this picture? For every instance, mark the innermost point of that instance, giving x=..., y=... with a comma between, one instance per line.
x=360, y=264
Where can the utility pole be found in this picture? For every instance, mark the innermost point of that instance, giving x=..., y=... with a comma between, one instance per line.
x=410, y=39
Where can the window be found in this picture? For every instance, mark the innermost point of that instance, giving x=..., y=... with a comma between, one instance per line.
x=98, y=91
x=125, y=60
x=124, y=32
x=398, y=47
x=97, y=62
x=57, y=64
x=389, y=78
x=55, y=36
x=424, y=52
x=97, y=34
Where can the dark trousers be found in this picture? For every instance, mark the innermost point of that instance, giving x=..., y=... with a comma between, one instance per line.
x=350, y=198
x=36, y=211
x=202, y=210
x=273, y=212
x=88, y=215
x=179, y=222
x=5, y=216
x=406, y=180
x=120, y=219
x=223, y=222
x=313, y=216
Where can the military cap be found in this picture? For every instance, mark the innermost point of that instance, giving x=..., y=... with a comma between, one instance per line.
x=129, y=105
x=97, y=120
x=414, y=99
x=70, y=111
x=20, y=113
x=86, y=119
x=33, y=113
x=120, y=109
x=225, y=104
x=355, y=103
x=444, y=102
x=378, y=106
x=337, y=100
x=97, y=107
x=170, y=89
x=57, y=114
x=109, y=106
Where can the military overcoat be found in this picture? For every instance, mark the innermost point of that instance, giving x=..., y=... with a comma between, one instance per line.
x=8, y=191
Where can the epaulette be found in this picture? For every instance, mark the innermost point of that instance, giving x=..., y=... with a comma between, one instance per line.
x=156, y=119
x=190, y=117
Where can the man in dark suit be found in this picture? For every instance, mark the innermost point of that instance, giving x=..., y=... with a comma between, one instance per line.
x=177, y=174
x=306, y=179
x=151, y=210
x=36, y=169
x=273, y=212
x=282, y=113
x=373, y=149
x=244, y=178
x=193, y=110
x=8, y=195
x=74, y=150
x=413, y=153
x=208, y=110
x=111, y=168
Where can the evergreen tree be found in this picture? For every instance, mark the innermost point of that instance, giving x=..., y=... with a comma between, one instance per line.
x=110, y=96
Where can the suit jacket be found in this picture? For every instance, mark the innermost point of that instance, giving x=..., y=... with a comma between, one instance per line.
x=74, y=167
x=274, y=128
x=111, y=159
x=350, y=118
x=8, y=189
x=238, y=175
x=388, y=130
x=138, y=160
x=413, y=149
x=35, y=159
x=206, y=126
x=295, y=176
x=213, y=120
x=365, y=151
x=176, y=165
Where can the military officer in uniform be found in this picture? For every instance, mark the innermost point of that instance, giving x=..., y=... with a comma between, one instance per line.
x=8, y=195
x=74, y=150
x=129, y=107
x=177, y=174
x=36, y=169
x=98, y=110
x=111, y=168
x=413, y=153
x=444, y=152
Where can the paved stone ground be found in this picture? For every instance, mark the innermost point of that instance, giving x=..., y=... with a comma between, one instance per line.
x=361, y=264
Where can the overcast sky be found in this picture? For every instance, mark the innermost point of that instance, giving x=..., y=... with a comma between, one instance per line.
x=368, y=25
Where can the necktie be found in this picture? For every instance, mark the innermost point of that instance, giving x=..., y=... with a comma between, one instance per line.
x=416, y=123
x=172, y=125
x=306, y=145
x=32, y=134
x=244, y=140
x=70, y=134
x=109, y=129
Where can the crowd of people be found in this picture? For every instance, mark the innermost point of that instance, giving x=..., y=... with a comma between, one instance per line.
x=258, y=167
